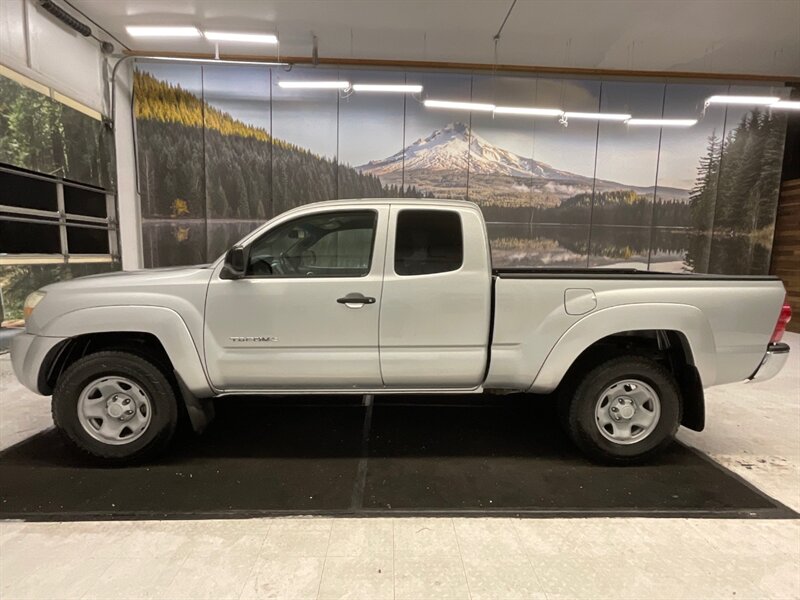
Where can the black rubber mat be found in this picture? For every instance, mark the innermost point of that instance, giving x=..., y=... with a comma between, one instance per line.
x=469, y=456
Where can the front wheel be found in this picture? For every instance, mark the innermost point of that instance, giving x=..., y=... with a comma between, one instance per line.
x=115, y=406
x=624, y=410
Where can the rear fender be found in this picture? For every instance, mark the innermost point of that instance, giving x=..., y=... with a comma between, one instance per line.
x=683, y=318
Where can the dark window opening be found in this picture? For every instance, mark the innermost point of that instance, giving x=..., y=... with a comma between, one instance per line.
x=428, y=241
x=27, y=192
x=83, y=240
x=18, y=237
x=80, y=201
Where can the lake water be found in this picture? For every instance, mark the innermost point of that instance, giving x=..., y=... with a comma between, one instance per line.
x=532, y=245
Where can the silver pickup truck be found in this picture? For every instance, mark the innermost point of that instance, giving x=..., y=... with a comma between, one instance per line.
x=392, y=296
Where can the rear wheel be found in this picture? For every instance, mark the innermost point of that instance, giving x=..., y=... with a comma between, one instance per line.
x=115, y=406
x=625, y=410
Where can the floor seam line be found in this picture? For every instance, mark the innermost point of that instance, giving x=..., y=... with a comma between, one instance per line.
x=394, y=564
x=527, y=556
x=254, y=569
x=461, y=556
x=360, y=482
x=324, y=562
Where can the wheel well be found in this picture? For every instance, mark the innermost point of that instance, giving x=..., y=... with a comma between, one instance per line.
x=667, y=347
x=67, y=352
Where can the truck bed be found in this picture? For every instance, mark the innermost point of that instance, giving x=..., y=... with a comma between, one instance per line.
x=724, y=320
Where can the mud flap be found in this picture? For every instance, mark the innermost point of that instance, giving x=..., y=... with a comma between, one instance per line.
x=200, y=410
x=694, y=402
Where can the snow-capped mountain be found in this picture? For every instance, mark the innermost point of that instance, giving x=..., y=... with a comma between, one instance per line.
x=452, y=147
x=438, y=160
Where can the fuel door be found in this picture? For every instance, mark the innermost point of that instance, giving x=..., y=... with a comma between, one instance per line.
x=579, y=301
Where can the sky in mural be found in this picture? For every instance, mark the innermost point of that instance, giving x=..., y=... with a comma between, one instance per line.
x=372, y=133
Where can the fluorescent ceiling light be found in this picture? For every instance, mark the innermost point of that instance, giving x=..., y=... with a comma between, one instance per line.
x=250, y=38
x=459, y=105
x=663, y=122
x=742, y=100
x=315, y=85
x=385, y=87
x=159, y=31
x=528, y=110
x=788, y=104
x=211, y=61
x=597, y=116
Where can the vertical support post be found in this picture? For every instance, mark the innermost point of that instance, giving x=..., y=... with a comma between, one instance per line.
x=113, y=226
x=62, y=221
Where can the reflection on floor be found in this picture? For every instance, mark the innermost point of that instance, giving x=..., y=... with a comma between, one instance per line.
x=752, y=429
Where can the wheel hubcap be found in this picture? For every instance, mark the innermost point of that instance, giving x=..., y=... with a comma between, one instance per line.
x=627, y=411
x=114, y=410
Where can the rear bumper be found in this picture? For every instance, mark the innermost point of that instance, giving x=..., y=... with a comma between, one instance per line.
x=772, y=363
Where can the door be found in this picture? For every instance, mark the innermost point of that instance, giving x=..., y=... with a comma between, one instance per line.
x=305, y=316
x=436, y=303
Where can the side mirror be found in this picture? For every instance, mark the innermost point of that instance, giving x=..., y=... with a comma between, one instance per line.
x=235, y=266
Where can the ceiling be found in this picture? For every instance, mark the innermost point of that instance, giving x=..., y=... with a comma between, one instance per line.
x=755, y=37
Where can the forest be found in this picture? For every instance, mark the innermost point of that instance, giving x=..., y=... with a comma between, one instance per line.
x=614, y=207
x=43, y=135
x=738, y=179
x=735, y=197
x=196, y=161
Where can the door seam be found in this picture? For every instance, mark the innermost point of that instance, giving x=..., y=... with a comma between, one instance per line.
x=383, y=281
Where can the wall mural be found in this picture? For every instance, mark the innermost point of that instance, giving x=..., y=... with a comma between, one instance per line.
x=223, y=148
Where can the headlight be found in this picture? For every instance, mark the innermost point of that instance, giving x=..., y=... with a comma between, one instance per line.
x=30, y=303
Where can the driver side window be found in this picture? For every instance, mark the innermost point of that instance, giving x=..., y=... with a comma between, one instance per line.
x=336, y=244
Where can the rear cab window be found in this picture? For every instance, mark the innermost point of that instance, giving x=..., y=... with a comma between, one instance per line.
x=428, y=241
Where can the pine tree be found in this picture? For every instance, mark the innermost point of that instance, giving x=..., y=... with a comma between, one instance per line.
x=704, y=192
x=771, y=153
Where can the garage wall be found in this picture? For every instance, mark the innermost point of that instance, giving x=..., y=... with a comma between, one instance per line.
x=33, y=43
x=786, y=250
x=72, y=70
x=54, y=97
x=57, y=167
x=222, y=148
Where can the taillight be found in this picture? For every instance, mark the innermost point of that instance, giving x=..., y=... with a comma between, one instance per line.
x=783, y=321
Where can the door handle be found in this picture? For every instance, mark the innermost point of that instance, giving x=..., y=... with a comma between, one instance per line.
x=356, y=300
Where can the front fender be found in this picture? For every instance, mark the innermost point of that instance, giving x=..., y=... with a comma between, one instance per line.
x=688, y=320
x=164, y=323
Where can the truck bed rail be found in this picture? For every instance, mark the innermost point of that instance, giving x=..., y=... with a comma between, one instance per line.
x=600, y=273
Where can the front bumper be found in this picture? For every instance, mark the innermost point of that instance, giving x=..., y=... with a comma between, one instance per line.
x=28, y=353
x=772, y=363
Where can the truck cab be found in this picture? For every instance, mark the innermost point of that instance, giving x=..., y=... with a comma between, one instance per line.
x=354, y=296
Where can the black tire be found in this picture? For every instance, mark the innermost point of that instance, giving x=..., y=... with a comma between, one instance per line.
x=580, y=420
x=152, y=381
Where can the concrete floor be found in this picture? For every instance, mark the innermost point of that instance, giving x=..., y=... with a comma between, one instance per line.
x=753, y=429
